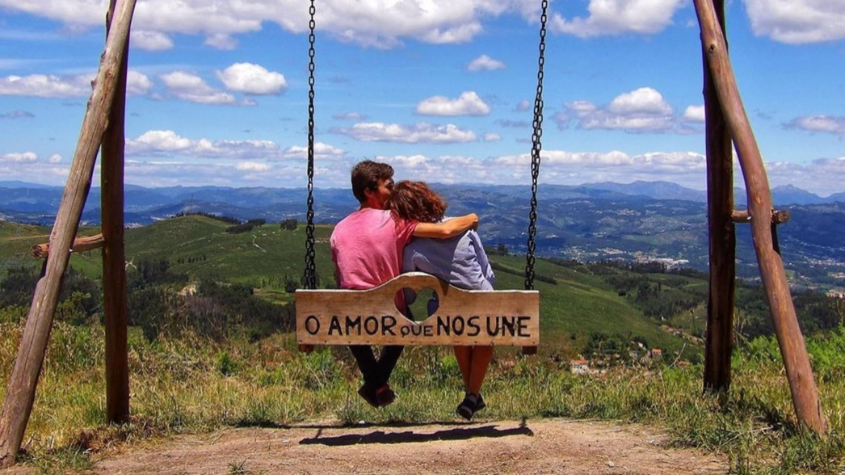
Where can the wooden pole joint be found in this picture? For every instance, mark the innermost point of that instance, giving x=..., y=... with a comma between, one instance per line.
x=779, y=216
x=80, y=244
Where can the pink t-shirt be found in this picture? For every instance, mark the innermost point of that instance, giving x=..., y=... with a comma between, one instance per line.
x=367, y=248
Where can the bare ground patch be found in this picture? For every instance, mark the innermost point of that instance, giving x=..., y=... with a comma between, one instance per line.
x=503, y=447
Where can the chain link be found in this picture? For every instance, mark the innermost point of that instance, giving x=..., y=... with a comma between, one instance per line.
x=310, y=278
x=536, y=147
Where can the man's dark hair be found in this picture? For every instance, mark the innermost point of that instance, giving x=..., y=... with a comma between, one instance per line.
x=366, y=175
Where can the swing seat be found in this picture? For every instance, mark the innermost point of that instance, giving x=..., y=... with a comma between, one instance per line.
x=464, y=317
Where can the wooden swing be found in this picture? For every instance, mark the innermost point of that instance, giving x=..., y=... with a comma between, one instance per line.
x=463, y=317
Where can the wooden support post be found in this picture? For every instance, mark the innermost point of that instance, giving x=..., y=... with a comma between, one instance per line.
x=114, y=262
x=798, y=370
x=722, y=234
x=20, y=394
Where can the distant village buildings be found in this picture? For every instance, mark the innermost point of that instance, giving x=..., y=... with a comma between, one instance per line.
x=836, y=293
x=600, y=364
x=579, y=367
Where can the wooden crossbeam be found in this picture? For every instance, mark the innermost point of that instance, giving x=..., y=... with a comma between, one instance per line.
x=463, y=317
x=743, y=216
x=80, y=244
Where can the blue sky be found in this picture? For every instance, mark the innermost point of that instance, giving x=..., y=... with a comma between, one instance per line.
x=442, y=90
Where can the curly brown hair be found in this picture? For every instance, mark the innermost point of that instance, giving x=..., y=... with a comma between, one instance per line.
x=415, y=201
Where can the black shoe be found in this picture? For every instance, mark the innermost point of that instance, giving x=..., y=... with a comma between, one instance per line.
x=480, y=404
x=369, y=395
x=377, y=397
x=385, y=395
x=468, y=406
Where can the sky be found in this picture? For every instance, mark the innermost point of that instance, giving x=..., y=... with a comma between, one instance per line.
x=443, y=90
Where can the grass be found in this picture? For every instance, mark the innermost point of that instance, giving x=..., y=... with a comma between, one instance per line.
x=193, y=385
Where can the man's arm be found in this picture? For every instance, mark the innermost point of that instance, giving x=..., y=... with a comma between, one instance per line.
x=447, y=229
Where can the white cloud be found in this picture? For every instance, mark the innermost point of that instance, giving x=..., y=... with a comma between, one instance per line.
x=55, y=158
x=242, y=173
x=236, y=149
x=491, y=137
x=819, y=123
x=485, y=63
x=369, y=23
x=349, y=116
x=222, y=42
x=79, y=85
x=137, y=84
x=644, y=100
x=573, y=168
x=150, y=40
x=19, y=157
x=523, y=105
x=615, y=17
x=419, y=133
x=34, y=172
x=559, y=167
x=158, y=174
x=157, y=140
x=169, y=144
x=694, y=114
x=822, y=176
x=252, y=167
x=637, y=111
x=797, y=21
x=468, y=104
x=42, y=85
x=442, y=169
x=452, y=34
x=410, y=161
x=192, y=88
x=322, y=151
x=252, y=79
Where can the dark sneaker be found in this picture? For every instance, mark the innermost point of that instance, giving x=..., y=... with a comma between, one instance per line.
x=369, y=395
x=377, y=397
x=468, y=406
x=385, y=395
x=480, y=404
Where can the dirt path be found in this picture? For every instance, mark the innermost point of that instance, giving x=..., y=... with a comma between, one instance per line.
x=503, y=447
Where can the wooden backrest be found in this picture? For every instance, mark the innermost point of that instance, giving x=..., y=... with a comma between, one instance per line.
x=464, y=317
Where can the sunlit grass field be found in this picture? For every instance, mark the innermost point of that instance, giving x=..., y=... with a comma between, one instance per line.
x=194, y=385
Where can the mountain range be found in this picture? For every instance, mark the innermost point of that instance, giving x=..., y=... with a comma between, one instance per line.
x=636, y=221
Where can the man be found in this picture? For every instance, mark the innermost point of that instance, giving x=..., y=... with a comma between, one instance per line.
x=367, y=250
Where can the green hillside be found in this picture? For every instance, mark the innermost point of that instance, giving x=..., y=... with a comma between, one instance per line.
x=17, y=239
x=578, y=305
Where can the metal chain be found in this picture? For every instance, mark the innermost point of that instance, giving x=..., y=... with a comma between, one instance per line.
x=536, y=147
x=310, y=268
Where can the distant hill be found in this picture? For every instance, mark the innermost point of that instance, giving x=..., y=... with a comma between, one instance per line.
x=22, y=184
x=637, y=221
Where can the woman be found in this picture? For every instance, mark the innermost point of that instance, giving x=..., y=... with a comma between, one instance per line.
x=461, y=261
